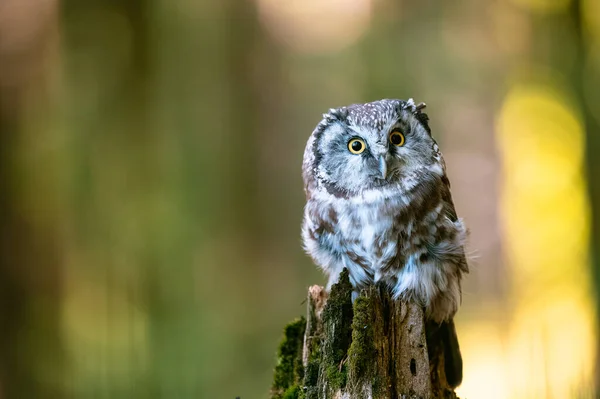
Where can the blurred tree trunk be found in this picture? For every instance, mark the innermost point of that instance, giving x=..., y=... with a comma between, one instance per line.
x=243, y=46
x=110, y=148
x=581, y=81
x=210, y=93
x=31, y=358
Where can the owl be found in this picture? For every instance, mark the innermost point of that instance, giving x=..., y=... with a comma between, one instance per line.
x=379, y=205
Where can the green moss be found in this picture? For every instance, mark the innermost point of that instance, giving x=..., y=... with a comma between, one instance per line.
x=327, y=358
x=311, y=373
x=338, y=308
x=378, y=386
x=289, y=371
x=337, y=326
x=362, y=350
x=292, y=393
x=336, y=376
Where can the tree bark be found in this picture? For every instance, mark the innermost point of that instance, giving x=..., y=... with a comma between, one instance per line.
x=374, y=347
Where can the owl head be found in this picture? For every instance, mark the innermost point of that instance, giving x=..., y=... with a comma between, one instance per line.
x=371, y=145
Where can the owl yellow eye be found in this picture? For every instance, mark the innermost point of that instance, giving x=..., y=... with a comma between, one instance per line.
x=397, y=138
x=356, y=146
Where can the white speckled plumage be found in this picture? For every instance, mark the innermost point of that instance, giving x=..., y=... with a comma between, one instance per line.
x=401, y=230
x=398, y=226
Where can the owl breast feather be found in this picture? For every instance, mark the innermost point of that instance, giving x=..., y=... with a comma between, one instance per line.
x=408, y=241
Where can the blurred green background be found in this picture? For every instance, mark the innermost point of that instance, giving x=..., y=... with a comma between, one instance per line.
x=151, y=198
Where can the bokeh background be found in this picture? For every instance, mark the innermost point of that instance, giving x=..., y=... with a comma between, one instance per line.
x=151, y=198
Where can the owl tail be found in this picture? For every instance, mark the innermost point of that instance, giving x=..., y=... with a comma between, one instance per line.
x=452, y=359
x=444, y=334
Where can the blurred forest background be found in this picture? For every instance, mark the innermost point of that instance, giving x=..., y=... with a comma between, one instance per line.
x=151, y=198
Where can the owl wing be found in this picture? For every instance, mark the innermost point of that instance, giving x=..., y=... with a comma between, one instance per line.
x=450, y=212
x=453, y=363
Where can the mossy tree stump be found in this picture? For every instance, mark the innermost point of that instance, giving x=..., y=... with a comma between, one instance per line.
x=374, y=348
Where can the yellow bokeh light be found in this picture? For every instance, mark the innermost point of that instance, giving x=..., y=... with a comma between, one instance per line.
x=544, y=200
x=545, y=213
x=483, y=355
x=549, y=346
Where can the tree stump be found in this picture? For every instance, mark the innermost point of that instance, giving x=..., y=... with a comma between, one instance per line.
x=374, y=348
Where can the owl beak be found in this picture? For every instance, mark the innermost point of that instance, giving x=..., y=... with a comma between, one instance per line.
x=383, y=166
